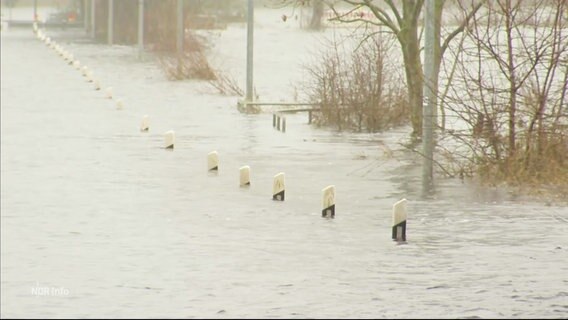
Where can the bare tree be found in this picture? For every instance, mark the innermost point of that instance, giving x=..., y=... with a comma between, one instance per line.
x=513, y=86
x=317, y=14
x=318, y=10
x=403, y=21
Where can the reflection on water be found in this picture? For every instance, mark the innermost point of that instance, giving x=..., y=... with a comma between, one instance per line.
x=93, y=206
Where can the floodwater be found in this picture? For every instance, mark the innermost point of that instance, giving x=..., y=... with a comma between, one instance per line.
x=98, y=220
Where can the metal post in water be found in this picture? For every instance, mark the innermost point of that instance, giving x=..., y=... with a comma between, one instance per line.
x=429, y=99
x=140, y=28
x=110, y=27
x=180, y=28
x=250, y=46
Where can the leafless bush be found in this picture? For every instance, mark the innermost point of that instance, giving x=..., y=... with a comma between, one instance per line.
x=226, y=84
x=189, y=66
x=510, y=96
x=358, y=89
x=192, y=63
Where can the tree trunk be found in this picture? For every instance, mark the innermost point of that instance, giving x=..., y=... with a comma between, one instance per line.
x=317, y=14
x=439, y=7
x=512, y=79
x=408, y=38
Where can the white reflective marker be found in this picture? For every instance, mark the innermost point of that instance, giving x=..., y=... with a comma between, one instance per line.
x=399, y=220
x=244, y=176
x=109, y=92
x=278, y=188
x=119, y=104
x=85, y=71
x=213, y=161
x=328, y=202
x=169, y=139
x=97, y=84
x=145, y=125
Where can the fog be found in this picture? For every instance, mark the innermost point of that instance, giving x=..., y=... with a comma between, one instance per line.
x=98, y=220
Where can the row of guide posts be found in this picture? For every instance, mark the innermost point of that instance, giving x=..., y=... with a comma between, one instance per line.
x=279, y=122
x=399, y=213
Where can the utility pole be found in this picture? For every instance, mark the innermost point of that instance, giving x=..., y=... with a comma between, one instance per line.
x=140, y=28
x=429, y=98
x=93, y=23
x=35, y=10
x=250, y=34
x=85, y=14
x=180, y=28
x=110, y=27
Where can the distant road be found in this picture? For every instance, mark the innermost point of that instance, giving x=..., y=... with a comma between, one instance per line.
x=28, y=24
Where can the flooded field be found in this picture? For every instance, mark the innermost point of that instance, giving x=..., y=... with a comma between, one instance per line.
x=98, y=220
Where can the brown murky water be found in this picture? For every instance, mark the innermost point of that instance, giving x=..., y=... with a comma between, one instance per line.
x=99, y=221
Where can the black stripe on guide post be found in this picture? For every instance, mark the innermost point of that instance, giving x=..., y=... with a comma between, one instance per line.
x=279, y=196
x=170, y=140
x=213, y=161
x=328, y=212
x=278, y=187
x=399, y=231
x=328, y=202
x=244, y=176
x=399, y=216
